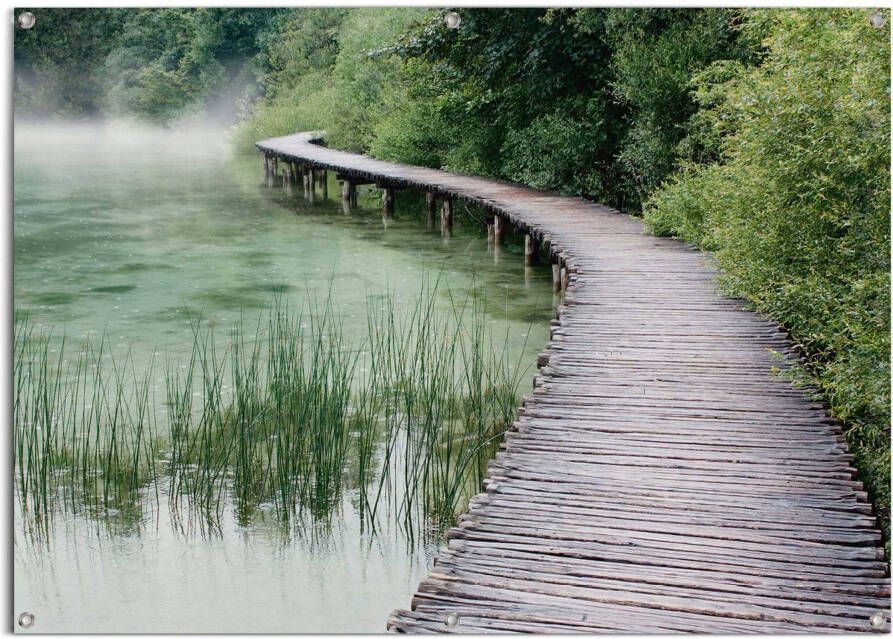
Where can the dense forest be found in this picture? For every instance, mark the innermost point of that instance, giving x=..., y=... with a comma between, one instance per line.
x=761, y=135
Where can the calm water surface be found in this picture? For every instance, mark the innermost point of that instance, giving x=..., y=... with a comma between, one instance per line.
x=127, y=232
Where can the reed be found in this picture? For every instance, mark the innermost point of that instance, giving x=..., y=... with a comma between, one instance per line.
x=84, y=426
x=290, y=415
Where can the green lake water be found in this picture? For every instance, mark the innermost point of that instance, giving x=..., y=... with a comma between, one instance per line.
x=128, y=232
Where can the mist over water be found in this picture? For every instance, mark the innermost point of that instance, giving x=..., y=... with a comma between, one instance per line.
x=130, y=231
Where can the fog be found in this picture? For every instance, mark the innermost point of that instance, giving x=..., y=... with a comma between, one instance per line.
x=62, y=142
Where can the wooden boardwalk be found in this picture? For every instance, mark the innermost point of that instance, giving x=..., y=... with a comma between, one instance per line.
x=660, y=478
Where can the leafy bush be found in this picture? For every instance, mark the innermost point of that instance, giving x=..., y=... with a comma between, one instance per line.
x=558, y=152
x=799, y=209
x=336, y=77
x=302, y=107
x=655, y=54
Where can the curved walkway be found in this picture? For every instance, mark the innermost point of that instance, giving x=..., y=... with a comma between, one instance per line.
x=660, y=478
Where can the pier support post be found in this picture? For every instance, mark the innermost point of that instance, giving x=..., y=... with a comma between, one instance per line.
x=490, y=233
x=430, y=207
x=288, y=176
x=556, y=276
x=269, y=173
x=348, y=194
x=307, y=184
x=387, y=200
x=446, y=217
x=498, y=228
x=529, y=250
x=324, y=183
x=312, y=178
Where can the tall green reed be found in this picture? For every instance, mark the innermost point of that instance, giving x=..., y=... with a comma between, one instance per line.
x=292, y=416
x=84, y=426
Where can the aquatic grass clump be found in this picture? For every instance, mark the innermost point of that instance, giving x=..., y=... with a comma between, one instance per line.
x=291, y=417
x=279, y=434
x=84, y=426
x=450, y=394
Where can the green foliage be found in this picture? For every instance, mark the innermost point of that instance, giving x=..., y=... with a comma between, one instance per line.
x=155, y=64
x=655, y=54
x=798, y=210
x=363, y=75
x=302, y=107
x=297, y=44
x=413, y=131
x=163, y=62
x=58, y=65
x=346, y=88
x=516, y=91
x=557, y=152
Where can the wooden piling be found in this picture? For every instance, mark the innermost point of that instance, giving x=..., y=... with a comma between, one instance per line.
x=387, y=200
x=430, y=208
x=556, y=277
x=324, y=183
x=288, y=176
x=490, y=234
x=268, y=170
x=498, y=228
x=529, y=250
x=348, y=193
x=446, y=216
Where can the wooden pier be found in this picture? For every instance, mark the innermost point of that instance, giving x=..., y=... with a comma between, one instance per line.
x=660, y=478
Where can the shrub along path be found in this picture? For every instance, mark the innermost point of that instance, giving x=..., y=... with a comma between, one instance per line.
x=660, y=478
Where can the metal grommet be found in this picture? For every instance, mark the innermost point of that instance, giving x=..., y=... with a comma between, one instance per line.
x=26, y=620
x=452, y=620
x=877, y=19
x=452, y=20
x=26, y=19
x=877, y=620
